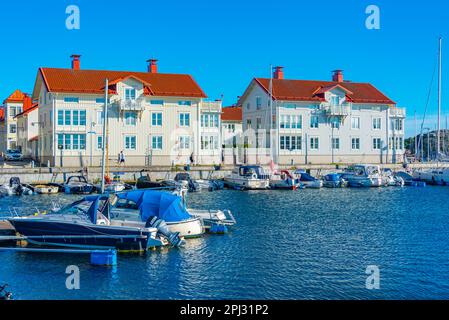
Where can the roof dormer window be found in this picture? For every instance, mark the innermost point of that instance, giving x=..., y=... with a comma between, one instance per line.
x=335, y=100
x=130, y=94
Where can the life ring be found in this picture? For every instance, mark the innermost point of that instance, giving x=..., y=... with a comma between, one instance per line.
x=254, y=176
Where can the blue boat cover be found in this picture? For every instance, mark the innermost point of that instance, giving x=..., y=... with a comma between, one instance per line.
x=163, y=205
x=332, y=177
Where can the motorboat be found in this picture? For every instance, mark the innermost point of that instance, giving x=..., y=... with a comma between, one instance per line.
x=113, y=186
x=307, y=181
x=407, y=178
x=78, y=185
x=214, y=217
x=365, y=176
x=248, y=178
x=391, y=180
x=145, y=182
x=87, y=223
x=284, y=180
x=335, y=180
x=182, y=179
x=436, y=176
x=210, y=184
x=140, y=206
x=15, y=188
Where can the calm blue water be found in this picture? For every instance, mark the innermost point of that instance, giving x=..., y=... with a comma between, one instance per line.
x=309, y=244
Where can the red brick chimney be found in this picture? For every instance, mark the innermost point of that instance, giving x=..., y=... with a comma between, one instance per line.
x=337, y=76
x=278, y=73
x=152, y=66
x=76, y=63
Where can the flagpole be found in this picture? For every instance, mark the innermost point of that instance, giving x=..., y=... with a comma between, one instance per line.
x=105, y=118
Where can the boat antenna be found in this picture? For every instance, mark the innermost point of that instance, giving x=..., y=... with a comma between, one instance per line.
x=439, y=97
x=105, y=136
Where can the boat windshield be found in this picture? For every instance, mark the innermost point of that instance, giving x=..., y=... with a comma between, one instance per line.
x=80, y=208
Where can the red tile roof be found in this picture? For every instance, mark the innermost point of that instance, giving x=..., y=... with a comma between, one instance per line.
x=92, y=81
x=16, y=96
x=232, y=114
x=306, y=90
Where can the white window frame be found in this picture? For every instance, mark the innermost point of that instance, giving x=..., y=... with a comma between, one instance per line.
x=157, y=137
x=353, y=139
x=358, y=123
x=314, y=148
x=130, y=142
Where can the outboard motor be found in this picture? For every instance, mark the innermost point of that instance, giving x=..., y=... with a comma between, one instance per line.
x=162, y=227
x=15, y=185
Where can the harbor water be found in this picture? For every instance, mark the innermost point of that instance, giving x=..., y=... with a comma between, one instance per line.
x=306, y=244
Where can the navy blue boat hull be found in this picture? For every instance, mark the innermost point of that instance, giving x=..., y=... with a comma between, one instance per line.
x=52, y=233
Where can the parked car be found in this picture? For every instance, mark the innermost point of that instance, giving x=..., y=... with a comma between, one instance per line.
x=13, y=155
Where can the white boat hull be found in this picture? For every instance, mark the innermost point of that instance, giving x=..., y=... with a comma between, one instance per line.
x=46, y=189
x=248, y=184
x=188, y=228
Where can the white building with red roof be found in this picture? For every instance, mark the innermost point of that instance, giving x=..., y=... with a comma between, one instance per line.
x=28, y=131
x=320, y=122
x=232, y=130
x=154, y=118
x=16, y=103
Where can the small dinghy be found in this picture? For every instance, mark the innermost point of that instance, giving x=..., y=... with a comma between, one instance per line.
x=284, y=180
x=15, y=188
x=182, y=179
x=114, y=186
x=46, y=189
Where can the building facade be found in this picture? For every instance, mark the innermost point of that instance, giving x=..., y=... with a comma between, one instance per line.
x=28, y=131
x=320, y=122
x=15, y=104
x=153, y=118
x=232, y=132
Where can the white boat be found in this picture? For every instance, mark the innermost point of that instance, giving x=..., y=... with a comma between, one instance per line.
x=210, y=217
x=438, y=176
x=284, y=180
x=365, y=176
x=389, y=179
x=248, y=178
x=141, y=205
x=15, y=188
x=112, y=187
x=46, y=189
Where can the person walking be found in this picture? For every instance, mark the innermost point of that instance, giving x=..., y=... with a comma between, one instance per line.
x=191, y=160
x=121, y=158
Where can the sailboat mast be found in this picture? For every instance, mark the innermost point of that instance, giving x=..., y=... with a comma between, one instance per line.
x=270, y=119
x=105, y=126
x=439, y=97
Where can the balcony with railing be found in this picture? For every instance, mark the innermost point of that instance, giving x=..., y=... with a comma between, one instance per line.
x=211, y=106
x=398, y=112
x=333, y=110
x=137, y=105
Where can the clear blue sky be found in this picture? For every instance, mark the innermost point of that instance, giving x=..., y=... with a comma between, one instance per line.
x=223, y=44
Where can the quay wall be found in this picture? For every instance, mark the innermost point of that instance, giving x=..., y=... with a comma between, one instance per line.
x=129, y=174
